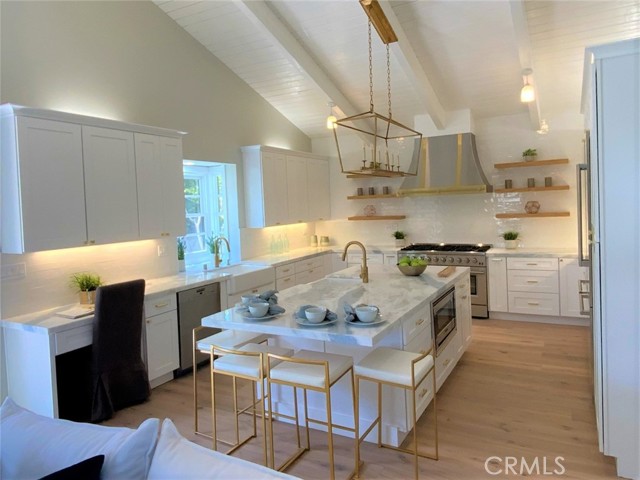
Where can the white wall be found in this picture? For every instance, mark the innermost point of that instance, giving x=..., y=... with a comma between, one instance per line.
x=470, y=218
x=126, y=61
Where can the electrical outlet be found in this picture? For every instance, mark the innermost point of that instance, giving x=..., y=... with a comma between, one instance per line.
x=14, y=271
x=161, y=251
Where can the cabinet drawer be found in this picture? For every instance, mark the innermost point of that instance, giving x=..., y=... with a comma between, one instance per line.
x=309, y=264
x=161, y=304
x=447, y=358
x=532, y=263
x=285, y=270
x=416, y=324
x=309, y=275
x=234, y=298
x=420, y=343
x=541, y=281
x=285, y=282
x=534, y=303
x=73, y=339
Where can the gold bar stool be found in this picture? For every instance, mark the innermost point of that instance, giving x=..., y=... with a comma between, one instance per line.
x=202, y=343
x=397, y=368
x=316, y=371
x=249, y=363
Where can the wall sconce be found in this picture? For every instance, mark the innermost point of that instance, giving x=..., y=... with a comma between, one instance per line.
x=331, y=119
x=527, y=94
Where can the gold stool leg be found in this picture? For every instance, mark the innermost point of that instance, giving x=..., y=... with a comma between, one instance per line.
x=435, y=412
x=327, y=396
x=271, y=448
x=415, y=430
x=213, y=410
x=356, y=422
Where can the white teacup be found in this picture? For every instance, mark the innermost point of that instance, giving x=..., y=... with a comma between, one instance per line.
x=315, y=314
x=367, y=313
x=247, y=299
x=258, y=309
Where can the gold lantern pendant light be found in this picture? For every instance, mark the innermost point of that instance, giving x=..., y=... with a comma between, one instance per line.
x=387, y=144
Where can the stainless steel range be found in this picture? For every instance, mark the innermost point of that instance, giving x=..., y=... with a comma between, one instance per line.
x=464, y=255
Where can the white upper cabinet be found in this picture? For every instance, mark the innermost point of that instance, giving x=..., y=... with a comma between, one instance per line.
x=297, y=189
x=110, y=185
x=70, y=180
x=160, y=186
x=319, y=194
x=42, y=185
x=284, y=187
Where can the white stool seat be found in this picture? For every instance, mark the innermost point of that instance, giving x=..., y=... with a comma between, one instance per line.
x=229, y=339
x=393, y=366
x=312, y=375
x=249, y=365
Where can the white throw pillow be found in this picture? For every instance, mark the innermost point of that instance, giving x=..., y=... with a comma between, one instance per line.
x=177, y=457
x=32, y=446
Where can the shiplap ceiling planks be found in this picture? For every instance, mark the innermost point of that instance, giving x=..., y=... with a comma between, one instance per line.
x=468, y=52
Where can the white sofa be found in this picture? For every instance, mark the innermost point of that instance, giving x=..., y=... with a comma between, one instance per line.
x=33, y=446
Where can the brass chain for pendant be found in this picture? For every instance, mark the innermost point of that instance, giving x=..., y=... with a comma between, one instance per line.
x=370, y=71
x=389, y=79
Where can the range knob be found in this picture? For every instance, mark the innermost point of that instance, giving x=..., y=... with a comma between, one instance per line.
x=474, y=260
x=450, y=259
x=459, y=260
x=466, y=260
x=428, y=259
x=443, y=259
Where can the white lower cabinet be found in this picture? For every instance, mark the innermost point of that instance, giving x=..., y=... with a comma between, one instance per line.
x=161, y=322
x=447, y=359
x=463, y=313
x=372, y=259
x=497, y=276
x=300, y=272
x=571, y=274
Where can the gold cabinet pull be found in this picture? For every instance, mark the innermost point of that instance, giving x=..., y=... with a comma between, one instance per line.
x=160, y=305
x=420, y=322
x=423, y=392
x=533, y=303
x=532, y=281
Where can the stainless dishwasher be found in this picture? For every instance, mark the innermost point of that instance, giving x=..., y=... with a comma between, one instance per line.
x=193, y=304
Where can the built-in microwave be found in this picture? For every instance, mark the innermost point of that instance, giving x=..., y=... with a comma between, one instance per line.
x=444, y=319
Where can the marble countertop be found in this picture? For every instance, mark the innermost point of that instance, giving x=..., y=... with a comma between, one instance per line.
x=276, y=260
x=396, y=295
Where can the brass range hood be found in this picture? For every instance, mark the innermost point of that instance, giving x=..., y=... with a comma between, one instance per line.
x=387, y=145
x=448, y=164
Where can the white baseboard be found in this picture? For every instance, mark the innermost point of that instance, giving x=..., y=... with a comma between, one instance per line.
x=520, y=317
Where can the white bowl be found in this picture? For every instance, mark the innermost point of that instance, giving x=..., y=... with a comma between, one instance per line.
x=247, y=299
x=367, y=313
x=315, y=314
x=258, y=309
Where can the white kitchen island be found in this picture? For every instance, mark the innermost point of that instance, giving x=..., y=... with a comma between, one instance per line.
x=405, y=305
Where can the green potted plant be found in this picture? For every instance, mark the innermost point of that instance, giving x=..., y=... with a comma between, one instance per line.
x=529, y=154
x=182, y=245
x=400, y=237
x=510, y=239
x=86, y=283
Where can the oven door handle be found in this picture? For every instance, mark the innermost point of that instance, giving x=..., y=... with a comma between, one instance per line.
x=479, y=271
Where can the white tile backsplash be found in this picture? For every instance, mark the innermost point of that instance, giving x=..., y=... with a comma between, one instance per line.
x=47, y=284
x=470, y=218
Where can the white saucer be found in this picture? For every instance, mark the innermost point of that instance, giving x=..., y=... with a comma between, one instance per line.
x=357, y=323
x=247, y=314
x=306, y=323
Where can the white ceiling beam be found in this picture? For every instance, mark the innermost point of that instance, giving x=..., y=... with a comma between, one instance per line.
x=404, y=53
x=273, y=28
x=521, y=30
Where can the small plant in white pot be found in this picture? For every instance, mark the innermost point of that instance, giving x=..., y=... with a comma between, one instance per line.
x=510, y=239
x=87, y=284
x=400, y=237
x=529, y=155
x=182, y=245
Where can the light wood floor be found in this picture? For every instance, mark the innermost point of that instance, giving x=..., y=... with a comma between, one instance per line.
x=521, y=390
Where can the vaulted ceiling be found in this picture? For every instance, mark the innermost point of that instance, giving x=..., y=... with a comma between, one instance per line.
x=450, y=55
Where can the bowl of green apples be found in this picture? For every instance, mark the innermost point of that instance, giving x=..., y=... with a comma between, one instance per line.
x=412, y=267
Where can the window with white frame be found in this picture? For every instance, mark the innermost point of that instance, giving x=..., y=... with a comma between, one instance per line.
x=206, y=211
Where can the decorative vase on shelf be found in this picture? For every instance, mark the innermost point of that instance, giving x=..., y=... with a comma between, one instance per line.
x=181, y=265
x=400, y=242
x=511, y=244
